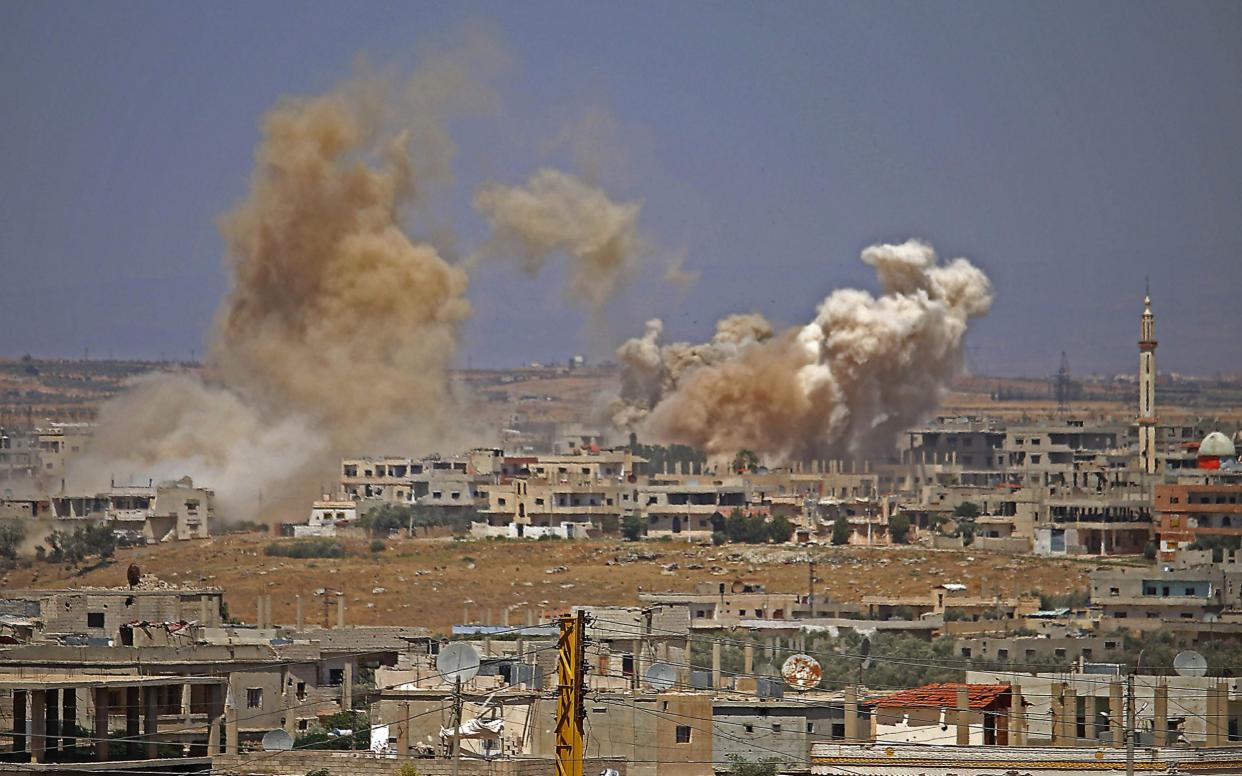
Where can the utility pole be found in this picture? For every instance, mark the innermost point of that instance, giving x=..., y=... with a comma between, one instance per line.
x=456, y=744
x=810, y=586
x=1130, y=732
x=570, y=713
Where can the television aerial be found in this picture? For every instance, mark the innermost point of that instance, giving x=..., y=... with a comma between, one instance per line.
x=458, y=662
x=277, y=740
x=660, y=676
x=802, y=672
x=1190, y=663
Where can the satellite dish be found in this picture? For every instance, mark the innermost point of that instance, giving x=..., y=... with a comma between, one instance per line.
x=660, y=676
x=864, y=649
x=802, y=672
x=277, y=741
x=458, y=662
x=1190, y=663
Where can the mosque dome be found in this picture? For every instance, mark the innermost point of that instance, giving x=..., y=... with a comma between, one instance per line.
x=1217, y=445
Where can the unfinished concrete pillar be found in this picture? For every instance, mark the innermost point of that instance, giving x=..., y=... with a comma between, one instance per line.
x=215, y=718
x=101, y=724
x=299, y=612
x=851, y=714
x=1092, y=726
x=230, y=731
x=715, y=664
x=347, y=687
x=504, y=617
x=20, y=698
x=962, y=717
x=1116, y=710
x=1069, y=717
x=151, y=722
x=186, y=702
x=748, y=659
x=1217, y=713
x=1017, y=717
x=530, y=618
x=202, y=611
x=258, y=613
x=1160, y=722
x=487, y=646
x=38, y=726
x=340, y=611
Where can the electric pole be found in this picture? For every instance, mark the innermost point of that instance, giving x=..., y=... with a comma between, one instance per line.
x=570, y=688
x=1130, y=732
x=456, y=744
x=810, y=586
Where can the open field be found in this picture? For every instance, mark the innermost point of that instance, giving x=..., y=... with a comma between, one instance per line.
x=429, y=582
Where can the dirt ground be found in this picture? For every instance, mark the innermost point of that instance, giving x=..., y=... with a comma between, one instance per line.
x=432, y=582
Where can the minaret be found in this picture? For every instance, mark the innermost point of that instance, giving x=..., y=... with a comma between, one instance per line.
x=1147, y=388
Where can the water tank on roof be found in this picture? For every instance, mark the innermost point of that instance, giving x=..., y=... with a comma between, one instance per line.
x=1217, y=445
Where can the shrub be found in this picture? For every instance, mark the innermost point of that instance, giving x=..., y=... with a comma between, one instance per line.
x=12, y=532
x=313, y=547
x=899, y=528
x=378, y=545
x=81, y=543
x=719, y=538
x=632, y=528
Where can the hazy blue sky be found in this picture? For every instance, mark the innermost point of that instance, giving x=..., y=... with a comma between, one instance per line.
x=1070, y=149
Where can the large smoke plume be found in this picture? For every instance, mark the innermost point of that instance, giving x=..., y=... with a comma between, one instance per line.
x=845, y=384
x=339, y=329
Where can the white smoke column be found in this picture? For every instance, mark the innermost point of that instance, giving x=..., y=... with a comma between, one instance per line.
x=845, y=384
x=338, y=332
x=555, y=211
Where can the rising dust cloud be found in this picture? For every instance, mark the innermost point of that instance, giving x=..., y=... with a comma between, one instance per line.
x=339, y=330
x=844, y=385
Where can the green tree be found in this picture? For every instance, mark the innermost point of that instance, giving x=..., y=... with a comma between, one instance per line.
x=780, y=530
x=841, y=530
x=740, y=766
x=745, y=461
x=632, y=528
x=12, y=533
x=899, y=528
x=967, y=509
x=386, y=518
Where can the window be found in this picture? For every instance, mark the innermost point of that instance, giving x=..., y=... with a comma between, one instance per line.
x=683, y=734
x=254, y=697
x=1002, y=653
x=810, y=727
x=776, y=727
x=336, y=676
x=1120, y=615
x=301, y=691
x=1114, y=592
x=94, y=619
x=1110, y=645
x=965, y=651
x=749, y=728
x=1059, y=651
x=303, y=724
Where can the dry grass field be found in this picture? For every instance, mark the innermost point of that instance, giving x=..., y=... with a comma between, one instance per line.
x=430, y=582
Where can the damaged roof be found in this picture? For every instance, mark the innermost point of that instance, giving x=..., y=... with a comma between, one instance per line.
x=944, y=695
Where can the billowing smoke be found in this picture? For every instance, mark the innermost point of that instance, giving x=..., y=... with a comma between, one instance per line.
x=845, y=384
x=555, y=211
x=338, y=332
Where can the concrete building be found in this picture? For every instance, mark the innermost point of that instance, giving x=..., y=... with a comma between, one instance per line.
x=1191, y=591
x=151, y=513
x=105, y=614
x=717, y=605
